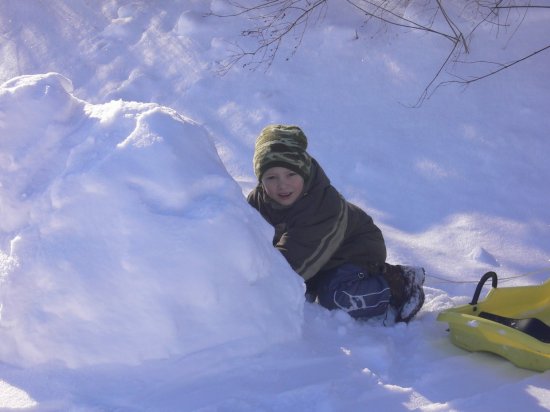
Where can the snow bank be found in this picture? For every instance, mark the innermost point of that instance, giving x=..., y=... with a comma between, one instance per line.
x=123, y=238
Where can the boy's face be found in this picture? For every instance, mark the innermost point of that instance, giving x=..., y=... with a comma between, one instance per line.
x=283, y=185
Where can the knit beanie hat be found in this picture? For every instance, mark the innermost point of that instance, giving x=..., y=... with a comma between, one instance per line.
x=284, y=146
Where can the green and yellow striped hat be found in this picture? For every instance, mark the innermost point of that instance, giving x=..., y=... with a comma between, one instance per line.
x=284, y=146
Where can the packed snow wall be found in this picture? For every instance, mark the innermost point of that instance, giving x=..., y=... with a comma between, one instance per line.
x=123, y=238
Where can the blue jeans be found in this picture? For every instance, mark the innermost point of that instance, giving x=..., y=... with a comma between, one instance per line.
x=362, y=294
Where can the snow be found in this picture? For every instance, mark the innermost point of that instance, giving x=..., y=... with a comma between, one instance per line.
x=112, y=218
x=135, y=277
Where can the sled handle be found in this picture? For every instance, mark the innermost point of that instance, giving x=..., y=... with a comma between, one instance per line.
x=482, y=281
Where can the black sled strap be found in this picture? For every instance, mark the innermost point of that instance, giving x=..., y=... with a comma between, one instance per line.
x=531, y=326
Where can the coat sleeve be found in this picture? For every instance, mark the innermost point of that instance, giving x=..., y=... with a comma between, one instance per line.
x=310, y=238
x=310, y=242
x=364, y=243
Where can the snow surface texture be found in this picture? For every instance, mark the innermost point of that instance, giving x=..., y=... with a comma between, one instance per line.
x=133, y=275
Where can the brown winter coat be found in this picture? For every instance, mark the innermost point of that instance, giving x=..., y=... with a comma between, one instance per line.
x=321, y=230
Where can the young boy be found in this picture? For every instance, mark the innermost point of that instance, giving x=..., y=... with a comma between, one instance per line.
x=334, y=245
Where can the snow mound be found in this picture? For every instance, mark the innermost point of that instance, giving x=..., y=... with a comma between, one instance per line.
x=481, y=255
x=124, y=238
x=14, y=398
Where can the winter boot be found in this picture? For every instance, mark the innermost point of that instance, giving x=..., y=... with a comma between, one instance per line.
x=414, y=293
x=406, y=287
x=393, y=274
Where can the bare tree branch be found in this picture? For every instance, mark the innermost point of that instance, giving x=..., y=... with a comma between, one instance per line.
x=501, y=68
x=427, y=92
x=276, y=21
x=400, y=21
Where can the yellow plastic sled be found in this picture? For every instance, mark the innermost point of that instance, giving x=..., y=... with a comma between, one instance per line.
x=512, y=322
